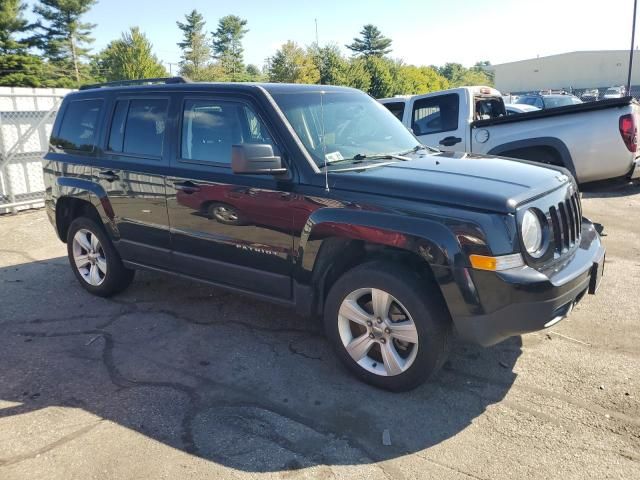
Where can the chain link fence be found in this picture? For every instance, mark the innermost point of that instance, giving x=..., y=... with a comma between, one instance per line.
x=26, y=120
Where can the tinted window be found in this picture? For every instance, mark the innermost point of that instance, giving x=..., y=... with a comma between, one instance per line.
x=211, y=127
x=116, y=136
x=78, y=129
x=435, y=114
x=144, y=127
x=397, y=108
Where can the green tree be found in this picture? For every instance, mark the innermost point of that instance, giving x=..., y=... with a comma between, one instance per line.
x=12, y=23
x=371, y=43
x=18, y=67
x=412, y=80
x=25, y=70
x=227, y=45
x=458, y=76
x=330, y=63
x=381, y=74
x=130, y=57
x=474, y=77
x=291, y=64
x=254, y=74
x=486, y=68
x=195, y=48
x=453, y=72
x=357, y=75
x=63, y=35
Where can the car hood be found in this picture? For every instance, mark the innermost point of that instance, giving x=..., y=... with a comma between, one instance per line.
x=475, y=181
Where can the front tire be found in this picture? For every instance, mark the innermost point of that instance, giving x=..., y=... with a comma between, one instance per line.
x=94, y=260
x=388, y=325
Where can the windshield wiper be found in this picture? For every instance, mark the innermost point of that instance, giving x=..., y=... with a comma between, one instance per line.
x=421, y=147
x=380, y=156
x=361, y=157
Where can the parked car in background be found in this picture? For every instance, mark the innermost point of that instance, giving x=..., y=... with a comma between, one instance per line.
x=515, y=108
x=553, y=100
x=594, y=141
x=315, y=197
x=614, y=92
x=509, y=98
x=590, y=95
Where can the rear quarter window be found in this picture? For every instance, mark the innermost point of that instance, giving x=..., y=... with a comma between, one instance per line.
x=79, y=126
x=397, y=108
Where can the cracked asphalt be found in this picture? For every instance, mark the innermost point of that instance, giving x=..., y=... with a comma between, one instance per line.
x=173, y=379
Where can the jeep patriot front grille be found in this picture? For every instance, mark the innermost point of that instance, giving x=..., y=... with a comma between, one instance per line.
x=565, y=222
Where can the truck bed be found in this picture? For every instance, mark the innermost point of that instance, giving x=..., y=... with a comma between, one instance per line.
x=553, y=112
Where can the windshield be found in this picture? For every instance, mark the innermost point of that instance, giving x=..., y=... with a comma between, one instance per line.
x=527, y=100
x=353, y=123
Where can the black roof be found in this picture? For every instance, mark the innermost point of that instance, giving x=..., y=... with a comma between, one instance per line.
x=273, y=88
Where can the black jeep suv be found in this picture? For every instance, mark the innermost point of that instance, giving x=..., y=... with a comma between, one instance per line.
x=317, y=197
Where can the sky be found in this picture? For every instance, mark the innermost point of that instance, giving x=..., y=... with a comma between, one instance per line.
x=424, y=32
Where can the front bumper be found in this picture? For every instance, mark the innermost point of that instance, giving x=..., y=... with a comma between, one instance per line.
x=525, y=300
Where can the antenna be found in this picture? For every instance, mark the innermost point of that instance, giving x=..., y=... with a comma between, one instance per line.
x=633, y=35
x=317, y=42
x=324, y=144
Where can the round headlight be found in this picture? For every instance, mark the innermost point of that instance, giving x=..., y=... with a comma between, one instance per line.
x=532, y=233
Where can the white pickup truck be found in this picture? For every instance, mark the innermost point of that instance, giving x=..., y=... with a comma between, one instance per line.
x=595, y=141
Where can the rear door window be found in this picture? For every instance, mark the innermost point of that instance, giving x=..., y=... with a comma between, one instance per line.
x=397, y=108
x=435, y=114
x=138, y=127
x=79, y=126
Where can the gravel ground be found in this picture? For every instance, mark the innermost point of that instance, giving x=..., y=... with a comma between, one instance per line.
x=174, y=379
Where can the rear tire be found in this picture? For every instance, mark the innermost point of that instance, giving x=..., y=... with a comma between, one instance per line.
x=389, y=326
x=94, y=260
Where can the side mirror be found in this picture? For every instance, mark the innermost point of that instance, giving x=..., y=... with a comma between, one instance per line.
x=255, y=159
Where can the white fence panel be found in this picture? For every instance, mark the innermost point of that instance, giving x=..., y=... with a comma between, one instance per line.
x=26, y=120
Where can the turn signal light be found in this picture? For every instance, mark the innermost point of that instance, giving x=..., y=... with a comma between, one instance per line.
x=495, y=264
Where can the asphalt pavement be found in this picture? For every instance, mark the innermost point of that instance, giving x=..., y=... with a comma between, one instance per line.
x=173, y=379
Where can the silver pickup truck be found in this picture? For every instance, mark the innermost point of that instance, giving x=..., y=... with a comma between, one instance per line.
x=595, y=141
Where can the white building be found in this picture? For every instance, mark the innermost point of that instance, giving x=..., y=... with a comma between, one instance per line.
x=577, y=70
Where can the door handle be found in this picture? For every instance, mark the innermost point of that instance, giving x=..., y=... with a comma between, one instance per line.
x=450, y=141
x=186, y=187
x=108, y=175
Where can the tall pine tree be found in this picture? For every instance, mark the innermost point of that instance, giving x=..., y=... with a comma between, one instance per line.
x=12, y=24
x=227, y=45
x=63, y=35
x=130, y=58
x=18, y=67
x=195, y=50
x=371, y=43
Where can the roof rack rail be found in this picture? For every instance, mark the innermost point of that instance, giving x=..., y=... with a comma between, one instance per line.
x=141, y=81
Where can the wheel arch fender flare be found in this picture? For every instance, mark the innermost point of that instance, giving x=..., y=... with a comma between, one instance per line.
x=434, y=242
x=90, y=192
x=553, y=143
